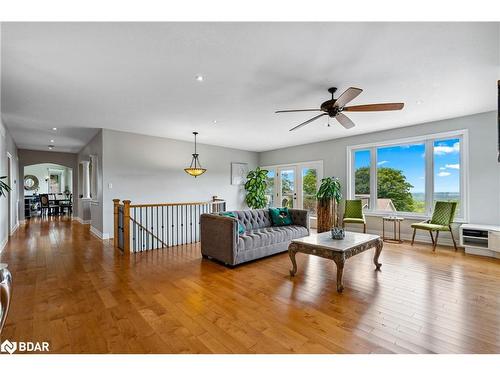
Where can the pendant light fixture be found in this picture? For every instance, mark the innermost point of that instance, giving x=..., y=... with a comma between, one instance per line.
x=195, y=168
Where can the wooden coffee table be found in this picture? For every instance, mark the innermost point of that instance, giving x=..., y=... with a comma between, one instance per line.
x=339, y=251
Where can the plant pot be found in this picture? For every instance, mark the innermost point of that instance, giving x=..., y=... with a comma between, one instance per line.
x=337, y=233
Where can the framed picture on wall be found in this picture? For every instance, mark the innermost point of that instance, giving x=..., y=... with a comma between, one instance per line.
x=239, y=172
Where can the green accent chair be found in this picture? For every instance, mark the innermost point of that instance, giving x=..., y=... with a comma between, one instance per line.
x=444, y=213
x=353, y=213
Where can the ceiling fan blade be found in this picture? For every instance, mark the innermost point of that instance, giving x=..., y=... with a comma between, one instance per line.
x=345, y=121
x=347, y=96
x=298, y=110
x=375, y=107
x=308, y=121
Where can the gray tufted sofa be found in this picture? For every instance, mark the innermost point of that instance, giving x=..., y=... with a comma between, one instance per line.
x=220, y=239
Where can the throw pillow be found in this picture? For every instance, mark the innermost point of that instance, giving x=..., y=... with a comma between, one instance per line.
x=241, y=228
x=280, y=216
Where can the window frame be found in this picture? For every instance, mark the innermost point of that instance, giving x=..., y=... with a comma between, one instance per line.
x=428, y=140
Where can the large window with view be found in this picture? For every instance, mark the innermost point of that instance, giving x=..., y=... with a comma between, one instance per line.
x=409, y=176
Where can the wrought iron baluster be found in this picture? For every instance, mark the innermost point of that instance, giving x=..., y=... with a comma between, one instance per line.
x=162, y=227
x=133, y=232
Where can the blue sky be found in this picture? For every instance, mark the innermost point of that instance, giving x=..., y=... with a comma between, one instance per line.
x=410, y=159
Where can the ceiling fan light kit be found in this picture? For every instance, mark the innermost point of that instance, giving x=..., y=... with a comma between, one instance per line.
x=195, y=169
x=334, y=108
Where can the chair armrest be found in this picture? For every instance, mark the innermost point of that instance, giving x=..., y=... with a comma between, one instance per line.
x=300, y=217
x=219, y=237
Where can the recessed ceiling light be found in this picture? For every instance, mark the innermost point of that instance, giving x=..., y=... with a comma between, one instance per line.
x=199, y=78
x=54, y=129
x=51, y=147
x=419, y=102
x=51, y=141
x=215, y=122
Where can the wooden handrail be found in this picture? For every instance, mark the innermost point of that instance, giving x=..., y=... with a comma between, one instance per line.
x=175, y=204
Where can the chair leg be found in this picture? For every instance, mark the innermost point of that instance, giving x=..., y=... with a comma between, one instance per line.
x=453, y=238
x=432, y=238
x=435, y=241
x=364, y=228
x=413, y=237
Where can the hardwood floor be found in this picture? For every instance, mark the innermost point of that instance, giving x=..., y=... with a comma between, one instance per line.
x=82, y=296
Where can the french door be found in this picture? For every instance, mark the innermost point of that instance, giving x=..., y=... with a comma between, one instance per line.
x=294, y=185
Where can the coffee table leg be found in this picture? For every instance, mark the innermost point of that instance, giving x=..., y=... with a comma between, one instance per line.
x=378, y=250
x=339, y=262
x=291, y=254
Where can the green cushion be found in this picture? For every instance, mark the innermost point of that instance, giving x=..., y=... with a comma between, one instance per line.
x=353, y=209
x=280, y=216
x=444, y=213
x=353, y=220
x=430, y=226
x=241, y=228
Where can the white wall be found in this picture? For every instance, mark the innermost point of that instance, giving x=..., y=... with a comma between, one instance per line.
x=484, y=170
x=42, y=170
x=149, y=169
x=7, y=145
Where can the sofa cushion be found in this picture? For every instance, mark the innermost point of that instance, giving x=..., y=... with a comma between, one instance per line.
x=280, y=216
x=262, y=237
x=253, y=219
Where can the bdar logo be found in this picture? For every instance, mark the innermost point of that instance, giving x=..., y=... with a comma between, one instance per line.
x=8, y=347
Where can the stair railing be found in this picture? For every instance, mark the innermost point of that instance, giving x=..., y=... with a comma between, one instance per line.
x=142, y=227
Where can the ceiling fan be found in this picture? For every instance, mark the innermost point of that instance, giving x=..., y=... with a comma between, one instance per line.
x=335, y=107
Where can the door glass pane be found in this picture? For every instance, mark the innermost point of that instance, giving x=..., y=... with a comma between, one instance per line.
x=401, y=178
x=362, y=177
x=270, y=193
x=309, y=188
x=447, y=171
x=287, y=177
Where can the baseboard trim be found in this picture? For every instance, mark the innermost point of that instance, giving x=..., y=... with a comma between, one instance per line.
x=81, y=221
x=13, y=230
x=96, y=232
x=3, y=244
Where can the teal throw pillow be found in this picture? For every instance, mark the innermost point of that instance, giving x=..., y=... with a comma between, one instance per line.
x=280, y=216
x=241, y=228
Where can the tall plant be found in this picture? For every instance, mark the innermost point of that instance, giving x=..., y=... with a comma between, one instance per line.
x=256, y=188
x=329, y=195
x=4, y=188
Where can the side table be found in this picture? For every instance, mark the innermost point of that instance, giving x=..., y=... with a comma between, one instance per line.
x=396, y=221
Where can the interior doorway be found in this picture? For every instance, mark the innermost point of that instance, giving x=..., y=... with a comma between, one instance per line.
x=48, y=190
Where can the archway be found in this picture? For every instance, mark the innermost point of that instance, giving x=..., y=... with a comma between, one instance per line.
x=48, y=190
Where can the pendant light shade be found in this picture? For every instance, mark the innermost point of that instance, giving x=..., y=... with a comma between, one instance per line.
x=195, y=168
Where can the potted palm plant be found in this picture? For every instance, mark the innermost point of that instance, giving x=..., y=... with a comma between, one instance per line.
x=4, y=188
x=329, y=195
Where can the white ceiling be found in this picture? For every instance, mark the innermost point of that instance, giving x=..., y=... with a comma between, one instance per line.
x=140, y=77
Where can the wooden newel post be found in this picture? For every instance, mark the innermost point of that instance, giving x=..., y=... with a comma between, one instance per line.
x=126, y=226
x=116, y=203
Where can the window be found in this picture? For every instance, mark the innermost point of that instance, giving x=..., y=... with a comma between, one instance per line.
x=287, y=178
x=408, y=176
x=309, y=189
x=270, y=188
x=447, y=171
x=362, y=176
x=401, y=178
